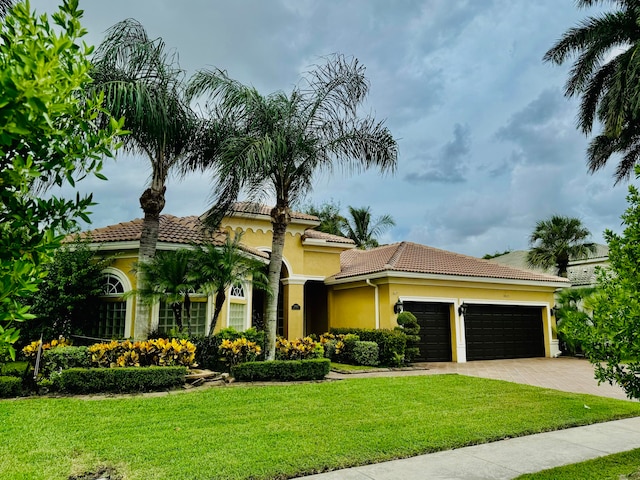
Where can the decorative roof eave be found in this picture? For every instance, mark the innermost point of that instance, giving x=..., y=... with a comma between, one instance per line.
x=316, y=242
x=248, y=252
x=262, y=216
x=439, y=276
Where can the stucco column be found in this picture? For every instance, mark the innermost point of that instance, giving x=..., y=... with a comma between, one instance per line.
x=294, y=306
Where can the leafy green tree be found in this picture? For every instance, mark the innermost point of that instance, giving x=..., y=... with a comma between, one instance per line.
x=47, y=137
x=329, y=214
x=67, y=298
x=573, y=319
x=142, y=82
x=363, y=229
x=171, y=277
x=605, y=75
x=612, y=343
x=221, y=267
x=558, y=240
x=277, y=144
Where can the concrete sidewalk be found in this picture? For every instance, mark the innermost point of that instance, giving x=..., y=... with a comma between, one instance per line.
x=504, y=459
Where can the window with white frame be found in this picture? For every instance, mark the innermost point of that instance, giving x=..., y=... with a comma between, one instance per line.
x=167, y=322
x=112, y=314
x=237, y=307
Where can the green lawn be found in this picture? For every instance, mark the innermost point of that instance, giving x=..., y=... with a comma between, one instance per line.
x=620, y=466
x=279, y=431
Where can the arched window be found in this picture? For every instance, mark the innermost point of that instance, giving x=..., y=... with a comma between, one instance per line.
x=112, y=314
x=113, y=285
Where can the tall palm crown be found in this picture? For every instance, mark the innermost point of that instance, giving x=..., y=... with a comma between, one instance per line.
x=274, y=145
x=143, y=83
x=364, y=230
x=557, y=241
x=606, y=76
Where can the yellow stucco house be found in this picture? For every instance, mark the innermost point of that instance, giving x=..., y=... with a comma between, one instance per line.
x=468, y=308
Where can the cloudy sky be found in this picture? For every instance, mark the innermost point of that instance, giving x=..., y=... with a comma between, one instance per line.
x=487, y=141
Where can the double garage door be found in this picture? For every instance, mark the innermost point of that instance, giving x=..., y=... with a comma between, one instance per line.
x=491, y=331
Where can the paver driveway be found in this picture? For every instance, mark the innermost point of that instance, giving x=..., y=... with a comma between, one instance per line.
x=563, y=373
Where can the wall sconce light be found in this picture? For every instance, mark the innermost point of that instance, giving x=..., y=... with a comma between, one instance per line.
x=462, y=309
x=295, y=306
x=554, y=310
x=397, y=308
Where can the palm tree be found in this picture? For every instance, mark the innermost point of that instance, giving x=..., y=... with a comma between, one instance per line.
x=606, y=75
x=143, y=83
x=557, y=241
x=170, y=276
x=5, y=6
x=363, y=230
x=275, y=145
x=221, y=267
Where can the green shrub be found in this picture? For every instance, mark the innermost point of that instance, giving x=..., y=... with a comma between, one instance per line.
x=330, y=348
x=391, y=343
x=408, y=324
x=208, y=348
x=206, y=351
x=119, y=380
x=14, y=369
x=366, y=353
x=58, y=359
x=10, y=386
x=345, y=351
x=283, y=370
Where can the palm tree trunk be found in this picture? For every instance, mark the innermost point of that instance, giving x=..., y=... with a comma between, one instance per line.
x=152, y=202
x=176, y=307
x=280, y=219
x=220, y=298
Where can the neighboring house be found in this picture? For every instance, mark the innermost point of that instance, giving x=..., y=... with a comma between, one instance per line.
x=581, y=273
x=468, y=308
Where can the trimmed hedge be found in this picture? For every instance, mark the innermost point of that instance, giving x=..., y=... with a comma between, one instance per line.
x=14, y=369
x=119, y=380
x=62, y=358
x=391, y=343
x=10, y=387
x=284, y=370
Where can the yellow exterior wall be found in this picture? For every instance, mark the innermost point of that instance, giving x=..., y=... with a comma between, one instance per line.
x=352, y=304
x=352, y=307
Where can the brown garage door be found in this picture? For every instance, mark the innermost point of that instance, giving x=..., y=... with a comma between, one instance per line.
x=503, y=331
x=435, y=330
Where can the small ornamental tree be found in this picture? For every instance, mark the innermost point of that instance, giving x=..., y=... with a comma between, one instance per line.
x=67, y=299
x=612, y=344
x=47, y=137
x=408, y=323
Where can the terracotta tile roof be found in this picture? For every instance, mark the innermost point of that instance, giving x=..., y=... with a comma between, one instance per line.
x=416, y=258
x=181, y=230
x=310, y=233
x=259, y=209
